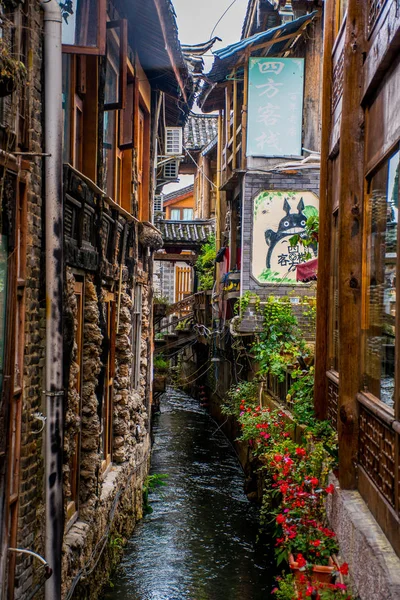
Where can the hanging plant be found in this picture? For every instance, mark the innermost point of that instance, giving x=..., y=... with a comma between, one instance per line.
x=12, y=72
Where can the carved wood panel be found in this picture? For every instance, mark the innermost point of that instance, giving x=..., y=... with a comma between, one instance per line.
x=374, y=10
x=377, y=453
x=333, y=399
x=337, y=86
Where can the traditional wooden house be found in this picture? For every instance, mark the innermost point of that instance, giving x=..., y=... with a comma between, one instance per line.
x=357, y=375
x=77, y=357
x=266, y=88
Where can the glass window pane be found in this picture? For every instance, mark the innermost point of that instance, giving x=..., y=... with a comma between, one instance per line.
x=66, y=105
x=81, y=27
x=113, y=68
x=187, y=214
x=382, y=258
x=109, y=151
x=176, y=214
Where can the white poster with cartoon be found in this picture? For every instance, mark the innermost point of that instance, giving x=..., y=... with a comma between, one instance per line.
x=278, y=216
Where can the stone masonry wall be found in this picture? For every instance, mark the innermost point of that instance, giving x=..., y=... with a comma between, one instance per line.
x=110, y=503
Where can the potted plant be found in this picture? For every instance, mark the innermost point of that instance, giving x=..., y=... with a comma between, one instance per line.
x=12, y=72
x=161, y=367
x=160, y=305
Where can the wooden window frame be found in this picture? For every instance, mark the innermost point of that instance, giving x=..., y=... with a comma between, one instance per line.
x=73, y=501
x=127, y=115
x=100, y=48
x=122, y=25
x=107, y=409
x=365, y=304
x=16, y=303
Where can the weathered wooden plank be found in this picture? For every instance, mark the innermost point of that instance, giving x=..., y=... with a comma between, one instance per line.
x=350, y=243
x=321, y=346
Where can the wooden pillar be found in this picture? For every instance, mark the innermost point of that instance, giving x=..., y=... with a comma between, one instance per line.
x=325, y=216
x=350, y=243
x=245, y=110
x=206, y=188
x=218, y=195
x=235, y=125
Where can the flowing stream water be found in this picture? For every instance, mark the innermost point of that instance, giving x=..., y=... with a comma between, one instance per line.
x=199, y=543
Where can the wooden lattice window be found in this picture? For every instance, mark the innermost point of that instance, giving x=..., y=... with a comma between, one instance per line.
x=374, y=10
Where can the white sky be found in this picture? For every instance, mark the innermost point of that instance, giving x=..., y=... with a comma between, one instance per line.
x=196, y=20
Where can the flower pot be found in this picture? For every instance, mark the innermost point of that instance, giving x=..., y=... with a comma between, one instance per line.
x=321, y=574
x=8, y=85
x=160, y=310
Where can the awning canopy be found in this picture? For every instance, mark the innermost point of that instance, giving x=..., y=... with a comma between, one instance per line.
x=272, y=42
x=307, y=271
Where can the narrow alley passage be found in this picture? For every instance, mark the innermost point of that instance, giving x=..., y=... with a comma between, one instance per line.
x=200, y=541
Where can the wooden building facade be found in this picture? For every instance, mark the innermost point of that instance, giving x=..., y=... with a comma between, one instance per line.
x=264, y=191
x=122, y=70
x=357, y=369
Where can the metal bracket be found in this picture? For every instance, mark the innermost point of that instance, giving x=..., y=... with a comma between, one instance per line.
x=40, y=417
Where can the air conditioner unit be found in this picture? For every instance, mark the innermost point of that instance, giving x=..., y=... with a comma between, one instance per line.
x=173, y=141
x=171, y=169
x=158, y=204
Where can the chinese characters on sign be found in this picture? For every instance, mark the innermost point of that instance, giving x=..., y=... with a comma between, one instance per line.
x=275, y=106
x=278, y=215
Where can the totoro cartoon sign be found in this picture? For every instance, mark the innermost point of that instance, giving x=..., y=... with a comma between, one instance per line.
x=277, y=216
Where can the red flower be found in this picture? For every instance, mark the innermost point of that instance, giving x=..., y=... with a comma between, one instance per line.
x=278, y=457
x=344, y=569
x=301, y=561
x=330, y=489
x=280, y=519
x=314, y=481
x=316, y=543
x=341, y=586
x=300, y=452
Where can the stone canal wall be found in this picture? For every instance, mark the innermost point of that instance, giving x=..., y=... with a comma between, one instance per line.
x=103, y=479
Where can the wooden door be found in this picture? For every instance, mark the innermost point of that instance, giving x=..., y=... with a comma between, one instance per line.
x=183, y=287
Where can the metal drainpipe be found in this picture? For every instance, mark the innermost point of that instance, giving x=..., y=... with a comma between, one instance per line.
x=54, y=293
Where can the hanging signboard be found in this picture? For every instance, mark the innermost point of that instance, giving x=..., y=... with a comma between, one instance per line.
x=275, y=106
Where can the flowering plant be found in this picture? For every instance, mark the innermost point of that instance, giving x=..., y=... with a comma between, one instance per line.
x=288, y=589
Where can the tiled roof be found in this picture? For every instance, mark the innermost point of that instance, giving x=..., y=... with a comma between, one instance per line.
x=188, y=233
x=178, y=193
x=200, y=130
x=227, y=58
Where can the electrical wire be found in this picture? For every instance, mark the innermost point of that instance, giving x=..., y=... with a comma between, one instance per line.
x=198, y=166
x=221, y=17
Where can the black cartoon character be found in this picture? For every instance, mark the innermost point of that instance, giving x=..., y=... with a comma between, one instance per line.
x=290, y=224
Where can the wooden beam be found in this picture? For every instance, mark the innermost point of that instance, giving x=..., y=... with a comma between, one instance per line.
x=350, y=244
x=218, y=194
x=235, y=97
x=325, y=224
x=168, y=49
x=245, y=111
x=175, y=257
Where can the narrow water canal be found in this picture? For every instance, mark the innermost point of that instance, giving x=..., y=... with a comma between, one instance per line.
x=200, y=541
